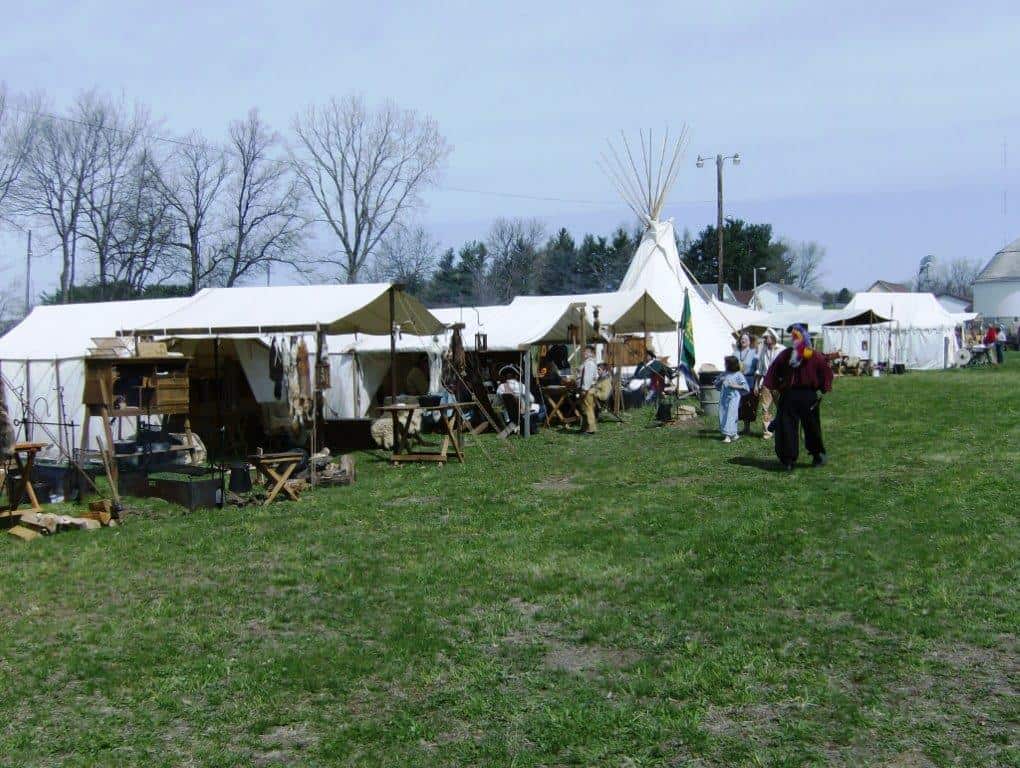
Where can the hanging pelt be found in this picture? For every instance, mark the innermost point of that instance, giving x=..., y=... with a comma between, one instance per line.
x=7, y=437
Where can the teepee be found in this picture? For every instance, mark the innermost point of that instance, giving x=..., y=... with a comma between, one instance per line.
x=643, y=183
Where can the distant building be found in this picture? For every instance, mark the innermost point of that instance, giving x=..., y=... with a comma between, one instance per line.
x=953, y=303
x=884, y=286
x=997, y=287
x=744, y=298
x=777, y=297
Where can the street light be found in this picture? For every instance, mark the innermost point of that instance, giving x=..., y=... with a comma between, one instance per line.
x=719, y=160
x=755, y=270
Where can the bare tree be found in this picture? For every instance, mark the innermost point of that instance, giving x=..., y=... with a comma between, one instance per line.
x=17, y=125
x=110, y=189
x=407, y=255
x=955, y=278
x=365, y=170
x=191, y=186
x=807, y=265
x=514, y=247
x=58, y=172
x=146, y=230
x=263, y=221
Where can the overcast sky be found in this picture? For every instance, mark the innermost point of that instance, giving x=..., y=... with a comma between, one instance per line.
x=877, y=133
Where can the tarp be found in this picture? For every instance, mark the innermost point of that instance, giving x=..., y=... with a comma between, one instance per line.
x=656, y=268
x=337, y=309
x=624, y=311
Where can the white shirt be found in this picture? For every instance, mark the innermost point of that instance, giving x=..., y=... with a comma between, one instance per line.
x=513, y=387
x=589, y=374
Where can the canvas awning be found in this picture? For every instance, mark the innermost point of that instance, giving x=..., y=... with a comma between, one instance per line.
x=333, y=309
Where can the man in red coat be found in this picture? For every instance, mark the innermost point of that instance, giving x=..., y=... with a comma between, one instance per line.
x=800, y=376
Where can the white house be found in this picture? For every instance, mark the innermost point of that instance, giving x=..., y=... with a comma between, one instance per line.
x=997, y=287
x=779, y=297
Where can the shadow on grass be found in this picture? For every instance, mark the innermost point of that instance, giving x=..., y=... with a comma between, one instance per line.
x=766, y=465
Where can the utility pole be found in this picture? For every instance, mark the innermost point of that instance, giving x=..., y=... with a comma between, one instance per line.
x=719, y=221
x=28, y=274
x=719, y=160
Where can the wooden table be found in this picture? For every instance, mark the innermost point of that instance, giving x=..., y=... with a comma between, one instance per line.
x=276, y=469
x=559, y=407
x=451, y=415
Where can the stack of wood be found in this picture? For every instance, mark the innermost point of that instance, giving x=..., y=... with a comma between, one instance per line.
x=32, y=525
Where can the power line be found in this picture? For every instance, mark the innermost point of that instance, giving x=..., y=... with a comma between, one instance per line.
x=446, y=188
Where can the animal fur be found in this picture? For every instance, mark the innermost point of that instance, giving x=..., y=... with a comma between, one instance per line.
x=382, y=428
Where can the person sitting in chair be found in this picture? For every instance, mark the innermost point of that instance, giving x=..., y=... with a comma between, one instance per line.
x=511, y=386
x=603, y=385
x=655, y=372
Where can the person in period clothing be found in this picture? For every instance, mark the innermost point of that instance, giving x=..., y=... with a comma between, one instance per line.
x=1000, y=344
x=768, y=350
x=586, y=388
x=654, y=371
x=991, y=336
x=732, y=386
x=549, y=373
x=748, y=357
x=801, y=377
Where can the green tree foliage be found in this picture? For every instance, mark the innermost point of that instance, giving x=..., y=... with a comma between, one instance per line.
x=560, y=268
x=119, y=291
x=745, y=246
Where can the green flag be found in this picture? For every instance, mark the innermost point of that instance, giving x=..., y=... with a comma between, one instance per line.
x=687, y=334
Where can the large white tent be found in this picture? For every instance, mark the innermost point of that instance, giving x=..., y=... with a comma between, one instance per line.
x=42, y=359
x=920, y=333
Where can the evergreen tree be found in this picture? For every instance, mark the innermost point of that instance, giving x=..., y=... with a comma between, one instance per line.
x=745, y=246
x=560, y=272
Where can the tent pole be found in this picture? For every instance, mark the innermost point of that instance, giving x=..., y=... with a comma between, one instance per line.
x=316, y=396
x=219, y=396
x=526, y=368
x=393, y=368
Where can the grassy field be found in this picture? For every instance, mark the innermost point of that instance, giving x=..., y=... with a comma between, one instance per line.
x=647, y=597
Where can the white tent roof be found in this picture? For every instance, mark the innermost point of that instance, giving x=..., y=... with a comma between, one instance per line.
x=65, y=331
x=338, y=309
x=656, y=268
x=741, y=317
x=529, y=320
x=909, y=310
x=625, y=311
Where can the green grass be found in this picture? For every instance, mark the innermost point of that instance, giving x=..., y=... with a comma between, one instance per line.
x=648, y=597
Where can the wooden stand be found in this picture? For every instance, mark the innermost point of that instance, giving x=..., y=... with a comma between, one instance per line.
x=453, y=426
x=25, y=471
x=162, y=390
x=276, y=469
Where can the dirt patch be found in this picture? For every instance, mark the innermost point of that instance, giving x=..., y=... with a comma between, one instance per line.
x=284, y=745
x=556, y=483
x=562, y=653
x=747, y=721
x=413, y=501
x=566, y=656
x=675, y=482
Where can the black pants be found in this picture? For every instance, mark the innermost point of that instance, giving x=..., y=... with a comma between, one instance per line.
x=797, y=407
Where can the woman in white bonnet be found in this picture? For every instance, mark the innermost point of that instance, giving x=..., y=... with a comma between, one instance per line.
x=768, y=350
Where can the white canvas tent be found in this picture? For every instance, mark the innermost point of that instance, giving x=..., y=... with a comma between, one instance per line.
x=42, y=359
x=920, y=333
